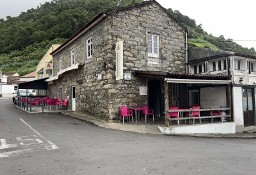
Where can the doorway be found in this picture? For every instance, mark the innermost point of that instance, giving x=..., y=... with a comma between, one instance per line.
x=73, y=98
x=248, y=106
x=155, y=97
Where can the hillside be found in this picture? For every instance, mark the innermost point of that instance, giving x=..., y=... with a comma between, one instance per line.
x=25, y=39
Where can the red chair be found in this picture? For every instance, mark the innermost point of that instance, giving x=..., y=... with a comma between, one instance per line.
x=173, y=114
x=125, y=112
x=195, y=113
x=63, y=104
x=146, y=112
x=216, y=113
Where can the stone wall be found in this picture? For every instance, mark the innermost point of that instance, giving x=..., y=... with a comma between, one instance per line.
x=101, y=97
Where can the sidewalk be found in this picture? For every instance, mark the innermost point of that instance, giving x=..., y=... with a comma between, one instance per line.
x=249, y=133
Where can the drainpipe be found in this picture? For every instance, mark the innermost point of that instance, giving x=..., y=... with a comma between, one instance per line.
x=186, y=45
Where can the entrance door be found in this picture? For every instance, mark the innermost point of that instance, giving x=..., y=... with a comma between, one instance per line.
x=73, y=98
x=248, y=107
x=155, y=99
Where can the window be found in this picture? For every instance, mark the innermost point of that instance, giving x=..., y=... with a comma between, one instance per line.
x=200, y=68
x=60, y=64
x=224, y=65
x=153, y=45
x=214, y=66
x=250, y=67
x=73, y=59
x=195, y=69
x=219, y=65
x=89, y=48
x=15, y=88
x=237, y=64
x=205, y=67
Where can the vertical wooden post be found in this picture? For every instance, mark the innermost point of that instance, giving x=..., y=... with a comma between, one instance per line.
x=166, y=102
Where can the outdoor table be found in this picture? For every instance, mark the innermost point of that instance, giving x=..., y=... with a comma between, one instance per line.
x=136, y=112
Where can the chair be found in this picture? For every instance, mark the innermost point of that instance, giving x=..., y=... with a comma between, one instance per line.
x=146, y=112
x=63, y=104
x=216, y=113
x=173, y=114
x=196, y=113
x=125, y=112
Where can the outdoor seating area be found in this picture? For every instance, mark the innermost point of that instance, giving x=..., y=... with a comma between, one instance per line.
x=197, y=113
x=129, y=113
x=42, y=104
x=176, y=116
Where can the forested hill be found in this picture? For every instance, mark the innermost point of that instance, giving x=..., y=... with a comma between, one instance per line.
x=200, y=38
x=25, y=39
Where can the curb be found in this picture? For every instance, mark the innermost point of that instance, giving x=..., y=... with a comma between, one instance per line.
x=100, y=123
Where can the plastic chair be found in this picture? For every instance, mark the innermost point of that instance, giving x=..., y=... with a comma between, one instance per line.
x=146, y=112
x=125, y=112
x=195, y=113
x=63, y=104
x=173, y=114
x=216, y=113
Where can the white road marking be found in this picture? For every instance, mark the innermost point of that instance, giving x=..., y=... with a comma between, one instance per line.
x=25, y=141
x=4, y=145
x=8, y=154
x=52, y=145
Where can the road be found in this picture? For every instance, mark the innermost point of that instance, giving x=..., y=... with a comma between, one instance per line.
x=51, y=144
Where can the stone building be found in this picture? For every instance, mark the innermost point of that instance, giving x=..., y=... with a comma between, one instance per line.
x=145, y=37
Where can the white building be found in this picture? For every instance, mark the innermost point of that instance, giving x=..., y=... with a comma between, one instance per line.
x=242, y=69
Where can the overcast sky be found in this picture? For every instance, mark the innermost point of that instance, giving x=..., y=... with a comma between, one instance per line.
x=235, y=19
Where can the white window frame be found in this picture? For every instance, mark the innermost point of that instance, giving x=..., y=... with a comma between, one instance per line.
x=72, y=57
x=150, y=37
x=89, y=48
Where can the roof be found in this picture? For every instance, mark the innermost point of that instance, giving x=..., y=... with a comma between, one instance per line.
x=16, y=75
x=197, y=55
x=31, y=74
x=100, y=17
x=35, y=84
x=161, y=75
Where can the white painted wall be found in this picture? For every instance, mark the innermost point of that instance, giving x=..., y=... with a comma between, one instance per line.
x=27, y=79
x=238, y=114
x=7, y=90
x=213, y=97
x=211, y=128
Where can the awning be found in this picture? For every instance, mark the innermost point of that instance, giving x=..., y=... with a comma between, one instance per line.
x=197, y=81
x=39, y=84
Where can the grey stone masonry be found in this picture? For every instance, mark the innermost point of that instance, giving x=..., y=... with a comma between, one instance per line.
x=97, y=91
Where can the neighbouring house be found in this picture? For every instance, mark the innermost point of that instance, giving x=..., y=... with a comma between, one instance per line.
x=8, y=85
x=44, y=67
x=28, y=77
x=135, y=56
x=241, y=68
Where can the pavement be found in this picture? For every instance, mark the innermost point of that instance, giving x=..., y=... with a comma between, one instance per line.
x=249, y=132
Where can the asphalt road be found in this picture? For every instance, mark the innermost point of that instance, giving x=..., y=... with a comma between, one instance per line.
x=47, y=144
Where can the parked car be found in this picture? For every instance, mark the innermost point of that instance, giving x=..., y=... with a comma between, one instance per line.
x=22, y=93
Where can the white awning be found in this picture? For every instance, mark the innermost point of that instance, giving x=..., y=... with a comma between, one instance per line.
x=197, y=81
x=52, y=78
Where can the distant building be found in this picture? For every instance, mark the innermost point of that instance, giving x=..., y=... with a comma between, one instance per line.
x=44, y=67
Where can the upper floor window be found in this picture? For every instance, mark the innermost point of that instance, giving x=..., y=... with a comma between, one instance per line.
x=219, y=65
x=73, y=58
x=195, y=69
x=250, y=67
x=224, y=65
x=89, y=48
x=153, y=45
x=237, y=64
x=214, y=66
x=200, y=69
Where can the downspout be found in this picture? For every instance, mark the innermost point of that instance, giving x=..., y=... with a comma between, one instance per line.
x=186, y=45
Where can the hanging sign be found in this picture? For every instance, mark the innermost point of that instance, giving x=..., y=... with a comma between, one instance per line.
x=119, y=60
